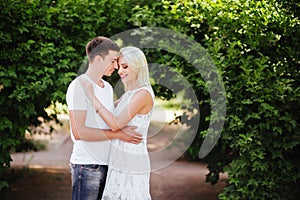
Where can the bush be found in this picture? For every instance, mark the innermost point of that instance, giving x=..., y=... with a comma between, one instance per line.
x=256, y=47
x=42, y=47
x=254, y=44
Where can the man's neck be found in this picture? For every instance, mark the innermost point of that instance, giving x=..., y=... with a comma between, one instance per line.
x=96, y=77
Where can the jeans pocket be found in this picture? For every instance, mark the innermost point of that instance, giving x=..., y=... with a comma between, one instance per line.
x=91, y=168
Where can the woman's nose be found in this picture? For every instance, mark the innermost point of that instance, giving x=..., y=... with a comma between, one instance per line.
x=120, y=69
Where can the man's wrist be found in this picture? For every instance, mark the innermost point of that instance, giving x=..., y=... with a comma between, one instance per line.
x=111, y=135
x=117, y=134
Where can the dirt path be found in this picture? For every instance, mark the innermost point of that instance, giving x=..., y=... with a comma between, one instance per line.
x=45, y=175
x=180, y=181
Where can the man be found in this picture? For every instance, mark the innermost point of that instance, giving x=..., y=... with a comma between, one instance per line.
x=89, y=132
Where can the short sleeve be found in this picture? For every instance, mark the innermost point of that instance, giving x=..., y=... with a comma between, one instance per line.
x=75, y=97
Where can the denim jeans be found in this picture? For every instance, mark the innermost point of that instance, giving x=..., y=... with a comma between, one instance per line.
x=88, y=181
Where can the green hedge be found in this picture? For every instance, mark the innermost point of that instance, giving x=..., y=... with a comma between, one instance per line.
x=255, y=45
x=42, y=47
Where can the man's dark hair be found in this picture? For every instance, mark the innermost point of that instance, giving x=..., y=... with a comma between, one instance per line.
x=100, y=46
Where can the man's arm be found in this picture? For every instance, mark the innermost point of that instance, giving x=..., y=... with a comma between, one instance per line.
x=82, y=132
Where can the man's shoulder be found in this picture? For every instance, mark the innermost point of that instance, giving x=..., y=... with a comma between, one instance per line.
x=74, y=85
x=75, y=81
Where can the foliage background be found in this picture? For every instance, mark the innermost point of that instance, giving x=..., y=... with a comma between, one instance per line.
x=255, y=45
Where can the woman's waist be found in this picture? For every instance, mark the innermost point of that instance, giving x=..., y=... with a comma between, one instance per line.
x=141, y=147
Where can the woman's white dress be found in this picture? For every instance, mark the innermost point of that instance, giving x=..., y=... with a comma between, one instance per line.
x=129, y=166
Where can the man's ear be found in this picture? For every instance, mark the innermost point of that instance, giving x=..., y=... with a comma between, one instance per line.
x=98, y=59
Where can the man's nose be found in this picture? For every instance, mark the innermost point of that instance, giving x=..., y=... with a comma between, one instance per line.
x=115, y=64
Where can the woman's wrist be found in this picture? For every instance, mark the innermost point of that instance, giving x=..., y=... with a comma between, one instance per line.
x=99, y=107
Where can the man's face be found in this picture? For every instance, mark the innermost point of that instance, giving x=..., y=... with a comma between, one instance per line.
x=110, y=63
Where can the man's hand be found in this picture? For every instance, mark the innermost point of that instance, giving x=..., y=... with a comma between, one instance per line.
x=128, y=134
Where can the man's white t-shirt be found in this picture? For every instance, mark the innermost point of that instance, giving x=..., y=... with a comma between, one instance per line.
x=85, y=152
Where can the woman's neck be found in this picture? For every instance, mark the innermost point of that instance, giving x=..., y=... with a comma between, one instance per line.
x=132, y=86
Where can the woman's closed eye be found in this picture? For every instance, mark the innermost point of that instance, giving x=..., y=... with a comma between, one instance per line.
x=124, y=66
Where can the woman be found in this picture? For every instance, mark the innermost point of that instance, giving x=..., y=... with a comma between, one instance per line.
x=129, y=165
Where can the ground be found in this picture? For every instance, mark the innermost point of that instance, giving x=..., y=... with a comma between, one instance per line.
x=45, y=174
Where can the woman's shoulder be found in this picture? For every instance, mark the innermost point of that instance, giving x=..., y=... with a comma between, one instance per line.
x=145, y=89
x=143, y=94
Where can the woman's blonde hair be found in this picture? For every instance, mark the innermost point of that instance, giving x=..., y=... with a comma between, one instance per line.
x=136, y=60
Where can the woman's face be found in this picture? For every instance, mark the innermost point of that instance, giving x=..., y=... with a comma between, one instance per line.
x=126, y=73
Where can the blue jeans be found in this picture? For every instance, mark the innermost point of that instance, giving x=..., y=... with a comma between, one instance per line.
x=88, y=181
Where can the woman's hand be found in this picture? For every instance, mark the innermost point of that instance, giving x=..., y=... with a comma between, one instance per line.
x=88, y=88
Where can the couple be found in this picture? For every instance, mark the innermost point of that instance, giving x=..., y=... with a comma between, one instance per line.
x=110, y=146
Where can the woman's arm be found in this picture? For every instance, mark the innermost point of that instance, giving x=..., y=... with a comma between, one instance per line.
x=141, y=103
